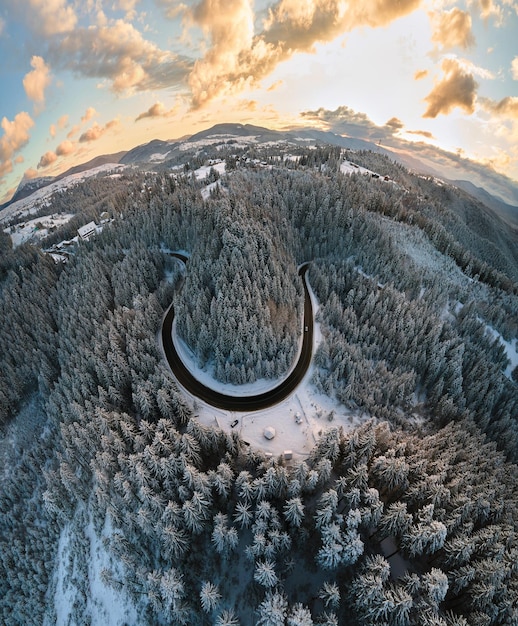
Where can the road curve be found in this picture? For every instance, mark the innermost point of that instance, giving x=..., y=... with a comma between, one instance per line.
x=241, y=403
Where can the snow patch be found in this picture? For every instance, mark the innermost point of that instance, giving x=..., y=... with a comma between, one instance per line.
x=37, y=228
x=158, y=156
x=40, y=197
x=105, y=606
x=203, y=171
x=510, y=350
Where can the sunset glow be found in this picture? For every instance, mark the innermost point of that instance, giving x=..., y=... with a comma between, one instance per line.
x=81, y=79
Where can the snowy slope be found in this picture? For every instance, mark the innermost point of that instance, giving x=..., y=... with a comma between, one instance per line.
x=39, y=198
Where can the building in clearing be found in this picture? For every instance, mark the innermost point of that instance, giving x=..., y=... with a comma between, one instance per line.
x=269, y=432
x=86, y=231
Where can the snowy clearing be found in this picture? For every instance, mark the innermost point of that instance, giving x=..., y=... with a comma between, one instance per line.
x=217, y=138
x=203, y=171
x=105, y=606
x=37, y=228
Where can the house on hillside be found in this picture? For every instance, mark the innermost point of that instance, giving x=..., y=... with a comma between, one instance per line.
x=86, y=231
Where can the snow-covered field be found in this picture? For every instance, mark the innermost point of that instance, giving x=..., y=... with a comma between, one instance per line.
x=218, y=138
x=203, y=171
x=81, y=559
x=37, y=228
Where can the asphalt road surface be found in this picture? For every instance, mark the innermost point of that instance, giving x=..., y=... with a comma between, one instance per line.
x=242, y=403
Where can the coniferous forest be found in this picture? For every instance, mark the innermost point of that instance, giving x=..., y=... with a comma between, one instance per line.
x=409, y=519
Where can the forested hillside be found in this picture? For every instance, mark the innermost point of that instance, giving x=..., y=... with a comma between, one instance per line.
x=111, y=488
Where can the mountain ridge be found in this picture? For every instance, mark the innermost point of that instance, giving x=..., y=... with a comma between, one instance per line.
x=158, y=152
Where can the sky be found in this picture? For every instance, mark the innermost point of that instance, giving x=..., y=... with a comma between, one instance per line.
x=437, y=79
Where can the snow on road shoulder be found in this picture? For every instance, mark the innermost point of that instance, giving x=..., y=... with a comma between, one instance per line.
x=298, y=421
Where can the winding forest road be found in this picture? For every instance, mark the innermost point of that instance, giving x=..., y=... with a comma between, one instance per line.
x=241, y=403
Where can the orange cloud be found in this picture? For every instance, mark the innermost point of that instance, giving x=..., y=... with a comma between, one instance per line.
x=15, y=137
x=65, y=148
x=96, y=131
x=346, y=121
x=156, y=110
x=73, y=131
x=420, y=74
x=422, y=133
x=514, y=68
x=30, y=173
x=61, y=124
x=458, y=88
x=237, y=58
x=507, y=107
x=47, y=17
x=395, y=124
x=37, y=80
x=89, y=113
x=118, y=53
x=452, y=28
x=47, y=159
x=19, y=159
x=488, y=8
x=275, y=85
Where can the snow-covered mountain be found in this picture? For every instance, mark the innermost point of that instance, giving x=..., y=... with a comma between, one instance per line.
x=224, y=139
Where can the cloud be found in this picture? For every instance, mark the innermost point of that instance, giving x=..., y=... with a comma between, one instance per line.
x=346, y=121
x=36, y=81
x=418, y=155
x=15, y=137
x=506, y=108
x=457, y=88
x=275, y=85
x=89, y=113
x=237, y=58
x=302, y=24
x=247, y=105
x=420, y=74
x=47, y=159
x=60, y=125
x=65, y=147
x=2, y=25
x=73, y=131
x=128, y=6
x=96, y=131
x=422, y=133
x=45, y=17
x=118, y=53
x=229, y=25
x=19, y=159
x=452, y=28
x=156, y=110
x=30, y=173
x=514, y=68
x=489, y=8
x=395, y=124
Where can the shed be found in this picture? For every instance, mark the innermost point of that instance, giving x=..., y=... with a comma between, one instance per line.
x=269, y=432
